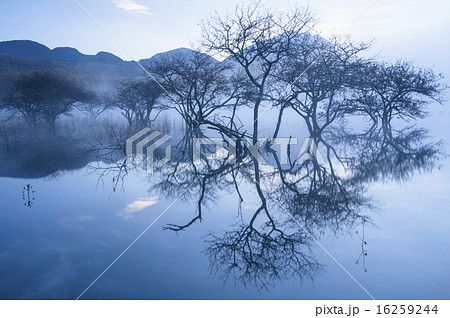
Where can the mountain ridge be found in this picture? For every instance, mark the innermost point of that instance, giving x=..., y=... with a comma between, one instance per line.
x=107, y=68
x=32, y=50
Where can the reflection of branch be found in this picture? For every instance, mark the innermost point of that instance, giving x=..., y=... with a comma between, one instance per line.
x=112, y=153
x=316, y=195
x=363, y=248
x=260, y=256
x=28, y=195
x=381, y=153
x=118, y=169
x=177, y=228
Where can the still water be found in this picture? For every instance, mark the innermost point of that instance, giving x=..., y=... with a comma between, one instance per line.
x=388, y=227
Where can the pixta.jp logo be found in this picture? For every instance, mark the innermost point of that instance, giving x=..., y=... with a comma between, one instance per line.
x=141, y=147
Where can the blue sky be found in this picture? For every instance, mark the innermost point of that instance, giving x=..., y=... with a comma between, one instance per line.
x=414, y=29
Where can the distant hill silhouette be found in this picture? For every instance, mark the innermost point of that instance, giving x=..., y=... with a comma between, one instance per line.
x=104, y=68
x=102, y=63
x=25, y=49
x=184, y=52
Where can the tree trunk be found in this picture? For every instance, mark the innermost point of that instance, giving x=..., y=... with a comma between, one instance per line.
x=52, y=125
x=255, y=121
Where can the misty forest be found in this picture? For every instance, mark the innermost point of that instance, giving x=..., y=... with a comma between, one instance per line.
x=253, y=76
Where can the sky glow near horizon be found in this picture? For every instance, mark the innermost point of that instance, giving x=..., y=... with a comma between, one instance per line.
x=416, y=30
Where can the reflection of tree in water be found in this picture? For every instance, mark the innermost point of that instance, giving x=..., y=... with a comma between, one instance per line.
x=381, y=156
x=269, y=244
x=363, y=254
x=28, y=195
x=261, y=254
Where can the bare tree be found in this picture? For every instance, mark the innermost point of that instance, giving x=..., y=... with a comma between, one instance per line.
x=398, y=90
x=317, y=80
x=45, y=94
x=137, y=99
x=257, y=40
x=201, y=88
x=97, y=106
x=23, y=100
